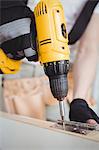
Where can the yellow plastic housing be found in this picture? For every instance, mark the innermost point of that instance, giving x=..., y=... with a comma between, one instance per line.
x=7, y=65
x=51, y=31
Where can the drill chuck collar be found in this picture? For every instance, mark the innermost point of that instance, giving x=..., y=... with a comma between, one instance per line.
x=57, y=74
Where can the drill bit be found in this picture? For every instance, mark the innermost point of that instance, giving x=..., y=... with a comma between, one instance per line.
x=62, y=112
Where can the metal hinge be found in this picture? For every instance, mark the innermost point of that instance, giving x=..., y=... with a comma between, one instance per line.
x=77, y=127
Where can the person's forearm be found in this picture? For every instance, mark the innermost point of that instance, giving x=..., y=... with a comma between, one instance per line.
x=85, y=65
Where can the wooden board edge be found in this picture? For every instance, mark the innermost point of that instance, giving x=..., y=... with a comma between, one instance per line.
x=48, y=125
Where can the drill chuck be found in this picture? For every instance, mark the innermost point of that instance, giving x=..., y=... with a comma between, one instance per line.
x=57, y=74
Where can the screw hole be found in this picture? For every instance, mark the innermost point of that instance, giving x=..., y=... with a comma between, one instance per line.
x=57, y=11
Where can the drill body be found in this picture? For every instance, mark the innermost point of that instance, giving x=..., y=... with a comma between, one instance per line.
x=53, y=48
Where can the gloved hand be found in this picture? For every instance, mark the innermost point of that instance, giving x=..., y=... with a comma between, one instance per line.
x=81, y=112
x=17, y=30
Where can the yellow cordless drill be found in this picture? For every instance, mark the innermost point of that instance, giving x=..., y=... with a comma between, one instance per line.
x=53, y=51
x=53, y=48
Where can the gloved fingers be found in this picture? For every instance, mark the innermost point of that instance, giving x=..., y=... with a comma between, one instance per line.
x=80, y=111
x=15, y=37
x=18, y=43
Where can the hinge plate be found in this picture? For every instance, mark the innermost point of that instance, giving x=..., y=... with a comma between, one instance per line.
x=77, y=127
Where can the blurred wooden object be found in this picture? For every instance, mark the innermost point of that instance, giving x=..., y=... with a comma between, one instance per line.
x=28, y=96
x=24, y=96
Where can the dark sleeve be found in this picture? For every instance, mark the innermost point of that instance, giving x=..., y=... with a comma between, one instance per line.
x=13, y=9
x=12, y=3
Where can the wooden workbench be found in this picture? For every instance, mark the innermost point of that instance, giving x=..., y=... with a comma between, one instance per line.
x=22, y=133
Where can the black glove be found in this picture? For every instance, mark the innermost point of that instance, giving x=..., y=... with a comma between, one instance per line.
x=81, y=112
x=17, y=30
